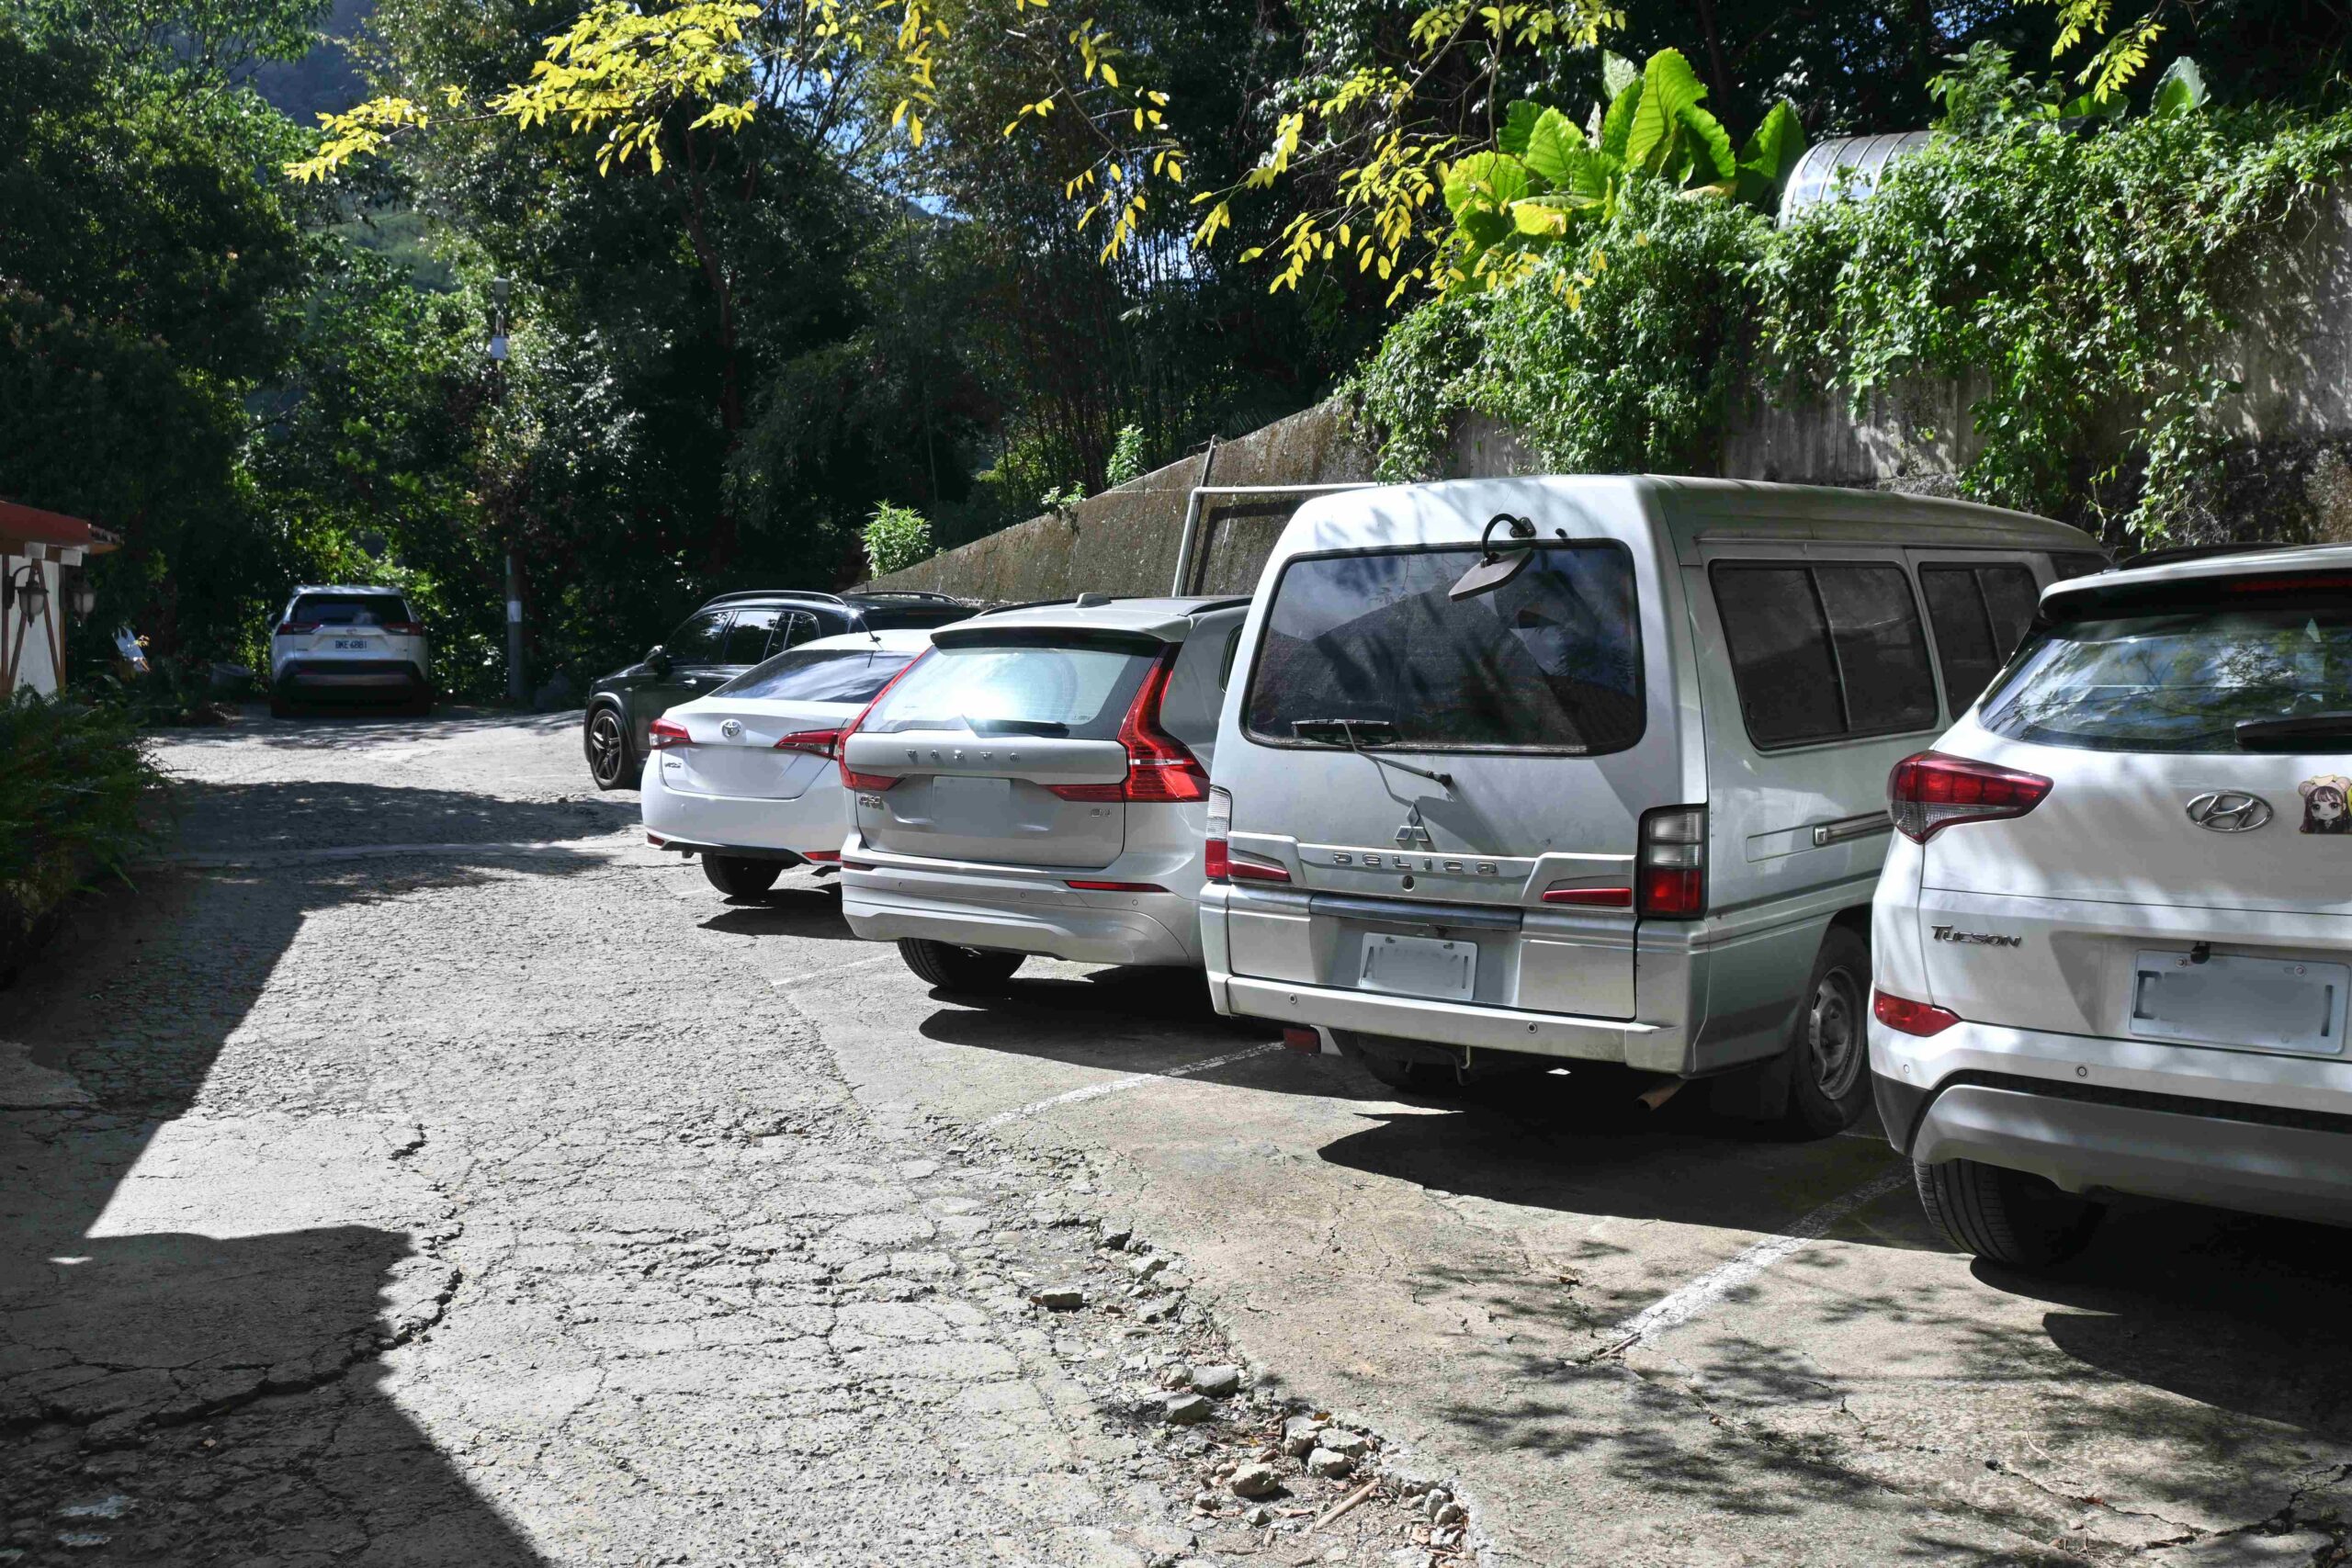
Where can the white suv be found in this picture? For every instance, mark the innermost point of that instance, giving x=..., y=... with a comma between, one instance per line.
x=1038, y=784
x=348, y=643
x=2113, y=941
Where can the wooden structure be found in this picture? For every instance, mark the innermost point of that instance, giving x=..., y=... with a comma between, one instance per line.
x=42, y=555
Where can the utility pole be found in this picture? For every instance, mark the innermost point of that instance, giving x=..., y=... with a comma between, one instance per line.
x=518, y=687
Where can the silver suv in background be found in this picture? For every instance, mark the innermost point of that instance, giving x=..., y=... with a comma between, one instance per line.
x=1036, y=783
x=349, y=643
x=1518, y=771
x=2115, y=934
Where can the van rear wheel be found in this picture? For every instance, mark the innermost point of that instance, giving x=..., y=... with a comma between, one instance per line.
x=1830, y=1057
x=2005, y=1216
x=1399, y=1072
x=953, y=968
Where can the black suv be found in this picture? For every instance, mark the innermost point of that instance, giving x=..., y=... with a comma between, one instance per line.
x=717, y=643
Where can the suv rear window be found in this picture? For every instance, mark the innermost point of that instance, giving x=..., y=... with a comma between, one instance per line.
x=2177, y=677
x=819, y=675
x=1371, y=646
x=349, y=609
x=1074, y=688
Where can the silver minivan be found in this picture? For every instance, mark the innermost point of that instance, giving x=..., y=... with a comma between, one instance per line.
x=1038, y=784
x=1514, y=772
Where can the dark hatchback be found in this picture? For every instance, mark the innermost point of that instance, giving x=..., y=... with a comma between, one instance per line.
x=717, y=643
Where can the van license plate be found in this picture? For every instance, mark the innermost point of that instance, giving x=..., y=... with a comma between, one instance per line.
x=349, y=643
x=1419, y=966
x=2262, y=1004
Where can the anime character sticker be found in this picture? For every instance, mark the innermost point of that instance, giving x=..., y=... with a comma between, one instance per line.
x=2327, y=803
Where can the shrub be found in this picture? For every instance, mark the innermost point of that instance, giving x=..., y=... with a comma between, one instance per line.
x=896, y=538
x=75, y=780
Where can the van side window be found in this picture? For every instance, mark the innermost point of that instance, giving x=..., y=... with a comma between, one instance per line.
x=1818, y=652
x=1981, y=613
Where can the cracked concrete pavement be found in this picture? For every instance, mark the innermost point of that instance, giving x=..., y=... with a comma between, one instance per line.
x=419, y=1170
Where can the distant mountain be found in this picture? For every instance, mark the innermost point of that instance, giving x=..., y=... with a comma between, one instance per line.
x=324, y=81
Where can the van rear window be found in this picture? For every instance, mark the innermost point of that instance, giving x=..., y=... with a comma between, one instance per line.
x=1371, y=647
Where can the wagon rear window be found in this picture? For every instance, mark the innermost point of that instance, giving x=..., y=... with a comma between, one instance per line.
x=1371, y=647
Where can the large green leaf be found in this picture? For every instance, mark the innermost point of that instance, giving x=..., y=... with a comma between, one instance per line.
x=1617, y=125
x=1617, y=73
x=1669, y=89
x=1485, y=180
x=1519, y=121
x=1551, y=214
x=2179, y=89
x=1770, y=154
x=1554, y=148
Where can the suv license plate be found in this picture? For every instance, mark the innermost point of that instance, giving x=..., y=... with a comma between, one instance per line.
x=2262, y=1004
x=349, y=643
x=1419, y=966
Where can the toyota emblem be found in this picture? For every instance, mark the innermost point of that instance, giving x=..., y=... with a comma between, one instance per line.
x=733, y=731
x=2229, y=811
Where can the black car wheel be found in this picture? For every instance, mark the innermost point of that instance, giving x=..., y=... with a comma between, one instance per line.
x=1829, y=1084
x=2005, y=1217
x=610, y=759
x=953, y=968
x=741, y=878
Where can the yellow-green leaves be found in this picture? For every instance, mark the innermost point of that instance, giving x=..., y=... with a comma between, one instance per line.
x=358, y=133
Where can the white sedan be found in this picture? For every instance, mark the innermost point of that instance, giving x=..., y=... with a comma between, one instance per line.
x=745, y=777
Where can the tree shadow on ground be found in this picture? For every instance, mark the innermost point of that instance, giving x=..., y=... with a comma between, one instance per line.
x=258, y=821
x=178, y=1384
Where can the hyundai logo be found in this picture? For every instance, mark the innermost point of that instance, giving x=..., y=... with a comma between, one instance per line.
x=733, y=729
x=2229, y=811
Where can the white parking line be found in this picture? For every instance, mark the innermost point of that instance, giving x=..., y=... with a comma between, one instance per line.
x=1120, y=1085
x=596, y=842
x=1678, y=1307
x=810, y=977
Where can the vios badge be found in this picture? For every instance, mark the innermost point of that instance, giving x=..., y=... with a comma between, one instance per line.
x=733, y=729
x=2229, y=811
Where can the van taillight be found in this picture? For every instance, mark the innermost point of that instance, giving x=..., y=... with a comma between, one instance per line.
x=870, y=783
x=1670, y=871
x=1931, y=792
x=664, y=733
x=1219, y=862
x=1160, y=770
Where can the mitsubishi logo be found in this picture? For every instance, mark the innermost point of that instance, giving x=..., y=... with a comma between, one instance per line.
x=2229, y=811
x=1412, y=833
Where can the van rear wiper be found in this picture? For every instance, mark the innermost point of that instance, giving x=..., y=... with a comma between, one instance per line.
x=1360, y=734
x=2295, y=734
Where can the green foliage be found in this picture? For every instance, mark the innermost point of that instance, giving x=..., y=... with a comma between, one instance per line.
x=896, y=538
x=1547, y=180
x=74, y=781
x=1127, y=462
x=1063, y=499
x=2084, y=283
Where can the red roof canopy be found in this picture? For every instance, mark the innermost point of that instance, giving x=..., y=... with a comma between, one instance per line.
x=29, y=525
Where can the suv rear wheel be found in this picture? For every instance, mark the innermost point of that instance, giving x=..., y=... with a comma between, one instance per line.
x=1830, y=1057
x=2005, y=1216
x=741, y=878
x=953, y=968
x=605, y=740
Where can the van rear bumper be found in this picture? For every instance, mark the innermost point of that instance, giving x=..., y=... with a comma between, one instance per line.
x=1446, y=1023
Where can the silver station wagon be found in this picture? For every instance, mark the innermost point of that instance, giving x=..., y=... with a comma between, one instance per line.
x=1515, y=771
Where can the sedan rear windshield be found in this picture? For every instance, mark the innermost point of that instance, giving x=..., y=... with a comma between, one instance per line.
x=1370, y=650
x=349, y=610
x=819, y=675
x=2181, y=677
x=1078, y=691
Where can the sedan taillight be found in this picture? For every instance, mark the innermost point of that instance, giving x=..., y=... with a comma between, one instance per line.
x=664, y=733
x=816, y=742
x=1931, y=792
x=869, y=783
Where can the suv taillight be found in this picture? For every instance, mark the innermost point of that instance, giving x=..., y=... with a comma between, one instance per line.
x=1923, y=1019
x=297, y=628
x=869, y=783
x=1160, y=770
x=816, y=742
x=664, y=733
x=404, y=628
x=1670, y=871
x=1931, y=792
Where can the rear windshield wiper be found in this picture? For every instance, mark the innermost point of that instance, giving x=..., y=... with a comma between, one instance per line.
x=2295, y=734
x=1359, y=735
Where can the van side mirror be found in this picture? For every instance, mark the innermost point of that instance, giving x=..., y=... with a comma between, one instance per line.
x=1495, y=567
x=657, y=659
